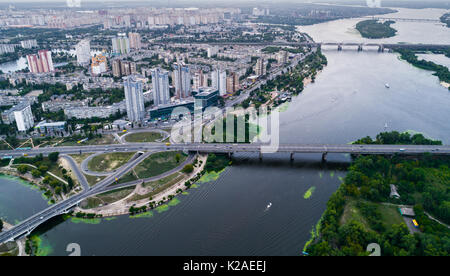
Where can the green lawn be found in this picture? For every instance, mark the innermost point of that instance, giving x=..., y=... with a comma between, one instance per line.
x=104, y=140
x=390, y=215
x=79, y=158
x=92, y=180
x=159, y=163
x=106, y=198
x=159, y=186
x=143, y=137
x=109, y=161
x=351, y=212
x=128, y=177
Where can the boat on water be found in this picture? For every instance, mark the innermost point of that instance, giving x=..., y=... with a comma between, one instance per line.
x=386, y=125
x=387, y=85
x=270, y=205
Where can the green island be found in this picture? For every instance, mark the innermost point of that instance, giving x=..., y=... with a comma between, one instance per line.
x=373, y=29
x=363, y=211
x=440, y=71
x=446, y=19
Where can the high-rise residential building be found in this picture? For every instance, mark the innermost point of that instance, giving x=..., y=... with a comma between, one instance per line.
x=233, y=83
x=83, y=51
x=123, y=68
x=260, y=67
x=23, y=116
x=7, y=48
x=182, y=81
x=160, y=81
x=40, y=63
x=120, y=45
x=135, y=40
x=219, y=81
x=212, y=51
x=282, y=57
x=99, y=64
x=134, y=99
x=200, y=80
x=28, y=44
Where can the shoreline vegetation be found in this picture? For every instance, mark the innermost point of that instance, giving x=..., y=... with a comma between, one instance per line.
x=373, y=29
x=362, y=210
x=440, y=71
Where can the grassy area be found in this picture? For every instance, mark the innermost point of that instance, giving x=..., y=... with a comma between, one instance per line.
x=143, y=137
x=159, y=163
x=389, y=215
x=159, y=186
x=79, y=158
x=106, y=139
x=352, y=213
x=106, y=198
x=9, y=249
x=127, y=178
x=109, y=161
x=92, y=180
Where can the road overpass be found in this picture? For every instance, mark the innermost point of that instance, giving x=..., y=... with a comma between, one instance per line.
x=28, y=225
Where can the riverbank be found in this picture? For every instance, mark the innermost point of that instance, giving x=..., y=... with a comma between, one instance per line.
x=122, y=206
x=19, y=246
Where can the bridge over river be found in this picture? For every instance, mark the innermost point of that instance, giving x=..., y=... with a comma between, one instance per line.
x=28, y=225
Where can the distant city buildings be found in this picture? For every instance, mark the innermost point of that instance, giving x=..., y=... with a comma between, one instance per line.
x=40, y=63
x=134, y=99
x=212, y=51
x=99, y=65
x=7, y=48
x=260, y=12
x=282, y=57
x=160, y=81
x=181, y=81
x=29, y=44
x=83, y=52
x=219, y=81
x=123, y=68
x=121, y=45
x=135, y=40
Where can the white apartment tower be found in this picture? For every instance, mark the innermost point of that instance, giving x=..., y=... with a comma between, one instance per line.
x=23, y=116
x=219, y=81
x=134, y=99
x=160, y=81
x=83, y=51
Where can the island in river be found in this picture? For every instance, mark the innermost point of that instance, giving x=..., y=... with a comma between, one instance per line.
x=374, y=30
x=402, y=204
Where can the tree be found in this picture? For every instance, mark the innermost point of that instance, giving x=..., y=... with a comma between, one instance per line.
x=22, y=169
x=36, y=173
x=178, y=157
x=188, y=168
x=53, y=156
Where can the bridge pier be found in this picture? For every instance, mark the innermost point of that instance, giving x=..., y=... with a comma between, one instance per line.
x=360, y=48
x=381, y=48
x=230, y=154
x=324, y=156
x=292, y=156
x=260, y=156
x=339, y=47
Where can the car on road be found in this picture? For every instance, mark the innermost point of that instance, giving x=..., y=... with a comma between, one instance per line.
x=402, y=149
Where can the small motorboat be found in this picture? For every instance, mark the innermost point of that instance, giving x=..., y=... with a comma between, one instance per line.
x=387, y=85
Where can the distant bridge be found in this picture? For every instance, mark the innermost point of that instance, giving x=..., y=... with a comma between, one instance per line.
x=424, y=20
x=360, y=45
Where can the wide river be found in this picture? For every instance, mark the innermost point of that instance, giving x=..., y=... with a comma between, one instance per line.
x=229, y=216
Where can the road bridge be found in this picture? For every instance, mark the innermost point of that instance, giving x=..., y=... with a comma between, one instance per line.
x=28, y=225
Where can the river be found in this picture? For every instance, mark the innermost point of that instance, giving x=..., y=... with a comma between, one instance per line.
x=229, y=216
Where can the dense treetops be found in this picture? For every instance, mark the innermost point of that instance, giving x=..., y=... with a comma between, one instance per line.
x=422, y=182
